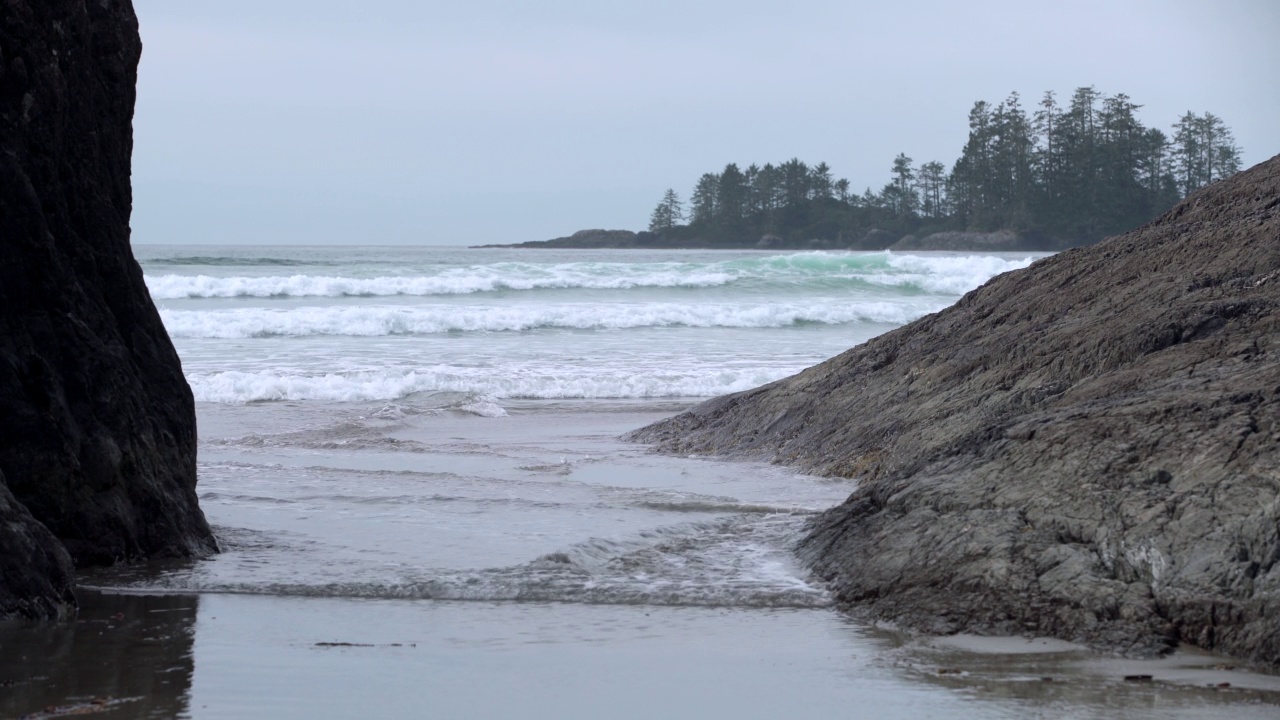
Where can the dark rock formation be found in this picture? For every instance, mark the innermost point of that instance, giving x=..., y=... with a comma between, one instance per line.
x=35, y=571
x=97, y=423
x=1002, y=241
x=1088, y=448
x=875, y=239
x=595, y=238
x=591, y=239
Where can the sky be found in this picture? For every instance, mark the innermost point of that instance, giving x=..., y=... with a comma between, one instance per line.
x=384, y=122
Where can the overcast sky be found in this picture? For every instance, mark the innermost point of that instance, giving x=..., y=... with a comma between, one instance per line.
x=411, y=121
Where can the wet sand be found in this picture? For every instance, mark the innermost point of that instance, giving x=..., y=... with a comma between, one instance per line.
x=679, y=617
x=236, y=656
x=443, y=523
x=124, y=656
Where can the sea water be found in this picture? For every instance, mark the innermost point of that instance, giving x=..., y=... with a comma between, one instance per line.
x=403, y=324
x=441, y=423
x=410, y=459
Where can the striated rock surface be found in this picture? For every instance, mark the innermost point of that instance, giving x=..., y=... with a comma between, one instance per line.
x=1087, y=448
x=97, y=423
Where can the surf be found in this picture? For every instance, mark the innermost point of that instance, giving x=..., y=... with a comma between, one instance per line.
x=930, y=274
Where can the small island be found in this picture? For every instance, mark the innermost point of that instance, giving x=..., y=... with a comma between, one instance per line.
x=1059, y=177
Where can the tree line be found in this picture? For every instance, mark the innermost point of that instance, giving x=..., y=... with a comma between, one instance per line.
x=1063, y=174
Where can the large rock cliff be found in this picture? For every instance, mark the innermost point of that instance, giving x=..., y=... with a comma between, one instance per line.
x=97, y=423
x=1089, y=447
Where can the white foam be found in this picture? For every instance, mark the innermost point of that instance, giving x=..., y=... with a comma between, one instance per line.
x=169, y=287
x=945, y=274
x=234, y=386
x=484, y=407
x=370, y=321
x=953, y=275
x=736, y=561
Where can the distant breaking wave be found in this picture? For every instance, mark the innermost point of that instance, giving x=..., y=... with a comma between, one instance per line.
x=171, y=287
x=394, y=320
x=394, y=384
x=950, y=275
x=233, y=261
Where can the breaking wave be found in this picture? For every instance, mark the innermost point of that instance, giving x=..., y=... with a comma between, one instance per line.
x=368, y=321
x=233, y=261
x=235, y=386
x=949, y=275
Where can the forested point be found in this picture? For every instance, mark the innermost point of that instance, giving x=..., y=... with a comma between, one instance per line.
x=1060, y=177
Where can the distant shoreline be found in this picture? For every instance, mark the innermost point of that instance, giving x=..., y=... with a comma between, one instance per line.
x=874, y=240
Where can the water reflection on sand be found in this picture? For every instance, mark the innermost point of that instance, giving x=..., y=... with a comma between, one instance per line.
x=238, y=656
x=131, y=655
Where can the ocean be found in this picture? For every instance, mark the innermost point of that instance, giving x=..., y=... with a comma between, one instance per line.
x=492, y=325
x=469, y=399
x=410, y=457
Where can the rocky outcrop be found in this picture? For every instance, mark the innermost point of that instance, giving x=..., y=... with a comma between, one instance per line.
x=35, y=571
x=97, y=423
x=769, y=241
x=595, y=238
x=874, y=239
x=1088, y=448
x=591, y=239
x=1002, y=241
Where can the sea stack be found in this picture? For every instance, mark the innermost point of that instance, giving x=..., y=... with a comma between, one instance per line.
x=1088, y=448
x=97, y=423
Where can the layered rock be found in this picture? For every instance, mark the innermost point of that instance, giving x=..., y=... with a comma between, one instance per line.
x=1088, y=448
x=97, y=423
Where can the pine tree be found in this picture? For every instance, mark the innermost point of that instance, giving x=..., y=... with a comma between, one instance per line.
x=820, y=183
x=1068, y=174
x=970, y=183
x=1224, y=154
x=703, y=202
x=668, y=213
x=932, y=184
x=731, y=196
x=767, y=188
x=795, y=183
x=1204, y=151
x=751, y=176
x=842, y=190
x=900, y=194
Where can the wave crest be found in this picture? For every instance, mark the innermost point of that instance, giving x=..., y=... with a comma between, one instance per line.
x=952, y=275
x=235, y=386
x=374, y=321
